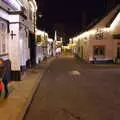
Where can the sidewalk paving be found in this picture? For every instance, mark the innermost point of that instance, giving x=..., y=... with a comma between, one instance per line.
x=21, y=93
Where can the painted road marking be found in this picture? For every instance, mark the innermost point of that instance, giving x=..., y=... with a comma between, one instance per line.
x=74, y=72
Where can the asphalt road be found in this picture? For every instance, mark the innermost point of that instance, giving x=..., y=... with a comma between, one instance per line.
x=70, y=90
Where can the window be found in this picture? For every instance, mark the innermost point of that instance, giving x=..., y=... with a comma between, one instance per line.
x=39, y=39
x=3, y=37
x=118, y=52
x=116, y=36
x=99, y=50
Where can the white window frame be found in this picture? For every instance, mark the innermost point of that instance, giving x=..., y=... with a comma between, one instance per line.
x=3, y=37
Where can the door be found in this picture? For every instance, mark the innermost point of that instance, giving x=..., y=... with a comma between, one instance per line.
x=118, y=52
x=82, y=52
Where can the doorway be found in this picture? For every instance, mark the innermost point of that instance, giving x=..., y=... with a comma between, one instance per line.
x=118, y=52
x=32, y=46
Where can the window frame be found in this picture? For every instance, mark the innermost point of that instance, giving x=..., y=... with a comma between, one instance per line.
x=4, y=37
x=100, y=50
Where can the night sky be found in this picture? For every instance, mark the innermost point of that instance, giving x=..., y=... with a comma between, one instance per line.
x=69, y=17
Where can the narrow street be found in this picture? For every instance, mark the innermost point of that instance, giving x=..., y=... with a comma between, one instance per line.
x=72, y=91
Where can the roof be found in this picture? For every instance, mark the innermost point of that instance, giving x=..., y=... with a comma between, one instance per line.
x=105, y=20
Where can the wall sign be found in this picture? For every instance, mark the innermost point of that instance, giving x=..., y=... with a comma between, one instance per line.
x=12, y=34
x=99, y=35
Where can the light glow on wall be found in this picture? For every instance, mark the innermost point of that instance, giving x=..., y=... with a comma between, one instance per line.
x=14, y=4
x=50, y=40
x=115, y=22
x=42, y=33
x=32, y=6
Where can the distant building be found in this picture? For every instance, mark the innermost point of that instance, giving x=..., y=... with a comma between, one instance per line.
x=44, y=46
x=50, y=47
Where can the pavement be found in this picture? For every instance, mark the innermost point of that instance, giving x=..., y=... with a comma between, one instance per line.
x=21, y=93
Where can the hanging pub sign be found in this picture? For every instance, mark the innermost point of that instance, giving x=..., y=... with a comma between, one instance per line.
x=15, y=4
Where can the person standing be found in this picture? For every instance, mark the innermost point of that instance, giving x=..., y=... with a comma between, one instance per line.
x=1, y=74
x=5, y=75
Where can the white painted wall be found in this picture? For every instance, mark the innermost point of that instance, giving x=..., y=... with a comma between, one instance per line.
x=18, y=51
x=14, y=48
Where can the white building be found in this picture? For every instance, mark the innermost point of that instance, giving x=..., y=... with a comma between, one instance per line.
x=41, y=46
x=17, y=27
x=50, y=47
x=102, y=41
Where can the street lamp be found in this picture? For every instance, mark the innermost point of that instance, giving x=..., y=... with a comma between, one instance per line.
x=40, y=15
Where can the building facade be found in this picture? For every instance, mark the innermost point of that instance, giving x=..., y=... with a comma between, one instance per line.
x=42, y=45
x=101, y=43
x=17, y=26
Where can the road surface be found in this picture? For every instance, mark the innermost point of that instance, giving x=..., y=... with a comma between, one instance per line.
x=70, y=90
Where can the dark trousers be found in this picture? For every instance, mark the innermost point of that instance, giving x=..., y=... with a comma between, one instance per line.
x=5, y=89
